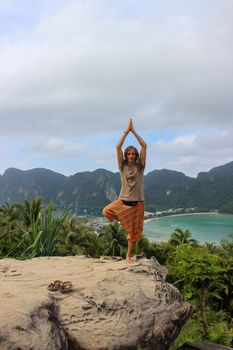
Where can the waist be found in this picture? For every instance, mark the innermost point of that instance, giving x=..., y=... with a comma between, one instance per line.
x=134, y=197
x=130, y=203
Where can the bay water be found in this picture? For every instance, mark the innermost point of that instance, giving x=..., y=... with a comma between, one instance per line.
x=204, y=227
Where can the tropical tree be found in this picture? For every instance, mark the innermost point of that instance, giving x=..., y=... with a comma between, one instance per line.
x=219, y=331
x=11, y=229
x=197, y=273
x=31, y=211
x=211, y=247
x=143, y=246
x=114, y=239
x=43, y=236
x=226, y=254
x=78, y=237
x=182, y=237
x=148, y=249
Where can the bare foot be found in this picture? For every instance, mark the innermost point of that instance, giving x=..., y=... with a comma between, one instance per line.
x=129, y=260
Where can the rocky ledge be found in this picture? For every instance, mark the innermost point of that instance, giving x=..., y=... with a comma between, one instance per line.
x=112, y=305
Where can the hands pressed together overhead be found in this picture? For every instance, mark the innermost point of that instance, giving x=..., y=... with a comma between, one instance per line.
x=130, y=126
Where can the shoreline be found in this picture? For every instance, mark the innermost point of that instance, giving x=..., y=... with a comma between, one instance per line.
x=184, y=214
x=159, y=237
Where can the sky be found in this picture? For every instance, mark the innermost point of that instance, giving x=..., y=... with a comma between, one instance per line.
x=72, y=73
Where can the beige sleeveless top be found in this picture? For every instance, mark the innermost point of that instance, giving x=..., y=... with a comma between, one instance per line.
x=132, y=182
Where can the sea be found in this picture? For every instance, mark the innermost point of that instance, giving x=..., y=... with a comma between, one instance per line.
x=204, y=227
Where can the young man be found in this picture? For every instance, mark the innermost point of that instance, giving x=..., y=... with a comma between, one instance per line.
x=129, y=207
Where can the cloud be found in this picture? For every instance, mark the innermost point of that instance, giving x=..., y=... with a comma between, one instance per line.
x=55, y=147
x=105, y=157
x=86, y=66
x=177, y=146
x=72, y=72
x=193, y=153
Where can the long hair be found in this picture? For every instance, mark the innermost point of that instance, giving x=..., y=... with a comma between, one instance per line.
x=127, y=150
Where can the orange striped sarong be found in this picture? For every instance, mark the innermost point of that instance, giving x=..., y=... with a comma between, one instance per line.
x=131, y=218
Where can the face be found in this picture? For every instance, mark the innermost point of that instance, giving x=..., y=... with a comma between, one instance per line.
x=131, y=156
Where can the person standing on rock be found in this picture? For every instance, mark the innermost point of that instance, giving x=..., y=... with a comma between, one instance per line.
x=129, y=207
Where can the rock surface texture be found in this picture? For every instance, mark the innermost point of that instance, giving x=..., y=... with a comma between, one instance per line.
x=112, y=305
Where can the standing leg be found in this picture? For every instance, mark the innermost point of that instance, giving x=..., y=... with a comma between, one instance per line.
x=131, y=245
x=134, y=227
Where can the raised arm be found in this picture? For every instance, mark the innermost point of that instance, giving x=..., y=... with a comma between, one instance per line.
x=142, y=143
x=119, y=146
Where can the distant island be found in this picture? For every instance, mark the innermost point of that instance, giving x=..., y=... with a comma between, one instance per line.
x=88, y=192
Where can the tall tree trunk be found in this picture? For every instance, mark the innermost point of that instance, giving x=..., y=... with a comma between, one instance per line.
x=205, y=326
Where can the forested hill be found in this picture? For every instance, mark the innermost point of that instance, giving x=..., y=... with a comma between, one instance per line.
x=163, y=188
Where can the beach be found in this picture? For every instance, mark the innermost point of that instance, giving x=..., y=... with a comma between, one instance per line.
x=205, y=226
x=183, y=214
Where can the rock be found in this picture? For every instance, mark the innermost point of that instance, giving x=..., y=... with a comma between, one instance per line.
x=203, y=346
x=112, y=305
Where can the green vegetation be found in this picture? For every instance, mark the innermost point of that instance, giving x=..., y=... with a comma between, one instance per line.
x=203, y=273
x=43, y=234
x=198, y=274
x=113, y=240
